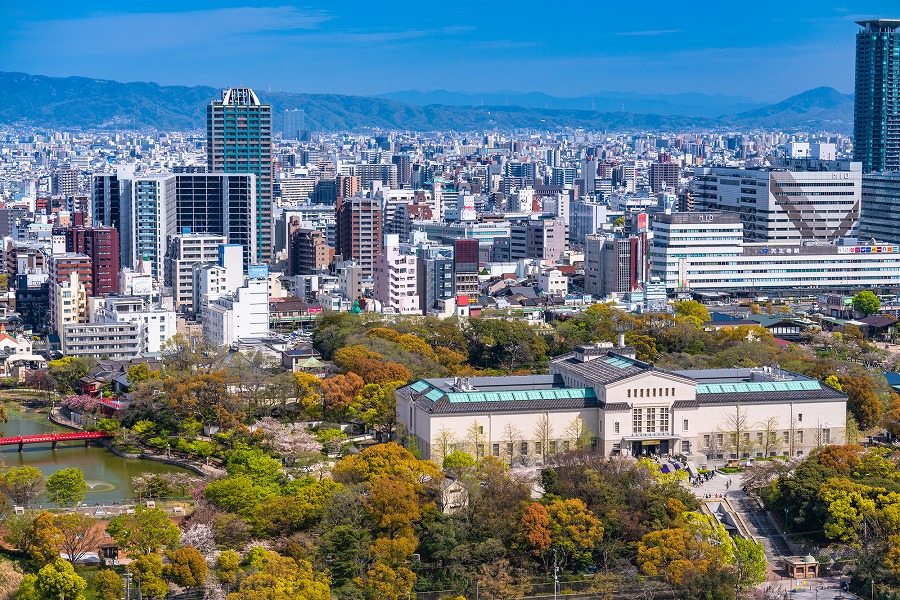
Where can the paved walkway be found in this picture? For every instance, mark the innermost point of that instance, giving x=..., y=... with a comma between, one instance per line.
x=759, y=521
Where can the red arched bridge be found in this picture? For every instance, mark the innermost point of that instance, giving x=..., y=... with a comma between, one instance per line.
x=53, y=438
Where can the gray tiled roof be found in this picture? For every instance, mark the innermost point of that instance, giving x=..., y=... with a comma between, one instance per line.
x=606, y=369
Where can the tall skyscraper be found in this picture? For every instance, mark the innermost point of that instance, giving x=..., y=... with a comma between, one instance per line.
x=294, y=123
x=876, y=119
x=239, y=140
x=359, y=227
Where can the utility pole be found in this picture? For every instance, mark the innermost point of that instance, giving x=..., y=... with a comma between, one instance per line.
x=555, y=576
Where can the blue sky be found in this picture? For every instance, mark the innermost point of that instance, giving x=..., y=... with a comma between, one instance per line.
x=764, y=50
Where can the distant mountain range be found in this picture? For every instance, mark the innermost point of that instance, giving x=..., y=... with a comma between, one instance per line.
x=73, y=102
x=687, y=105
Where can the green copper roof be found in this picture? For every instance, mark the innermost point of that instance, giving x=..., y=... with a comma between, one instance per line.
x=618, y=361
x=552, y=394
x=758, y=386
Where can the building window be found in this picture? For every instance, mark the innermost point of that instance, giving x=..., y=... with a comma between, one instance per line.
x=629, y=392
x=799, y=417
x=538, y=448
x=654, y=392
x=523, y=449
x=667, y=391
x=826, y=436
x=566, y=446
x=637, y=421
x=719, y=440
x=684, y=425
x=495, y=449
x=642, y=392
x=799, y=437
x=479, y=451
x=685, y=447
x=673, y=391
x=553, y=448
x=786, y=437
x=759, y=438
x=616, y=427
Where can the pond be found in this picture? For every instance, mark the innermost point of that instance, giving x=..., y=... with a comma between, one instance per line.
x=108, y=476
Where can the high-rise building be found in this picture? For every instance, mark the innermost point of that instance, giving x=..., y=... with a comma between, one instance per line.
x=803, y=199
x=876, y=115
x=184, y=251
x=111, y=207
x=664, y=176
x=64, y=182
x=615, y=264
x=395, y=281
x=294, y=123
x=239, y=140
x=153, y=213
x=308, y=252
x=218, y=204
x=359, y=230
x=73, y=272
x=102, y=245
x=465, y=267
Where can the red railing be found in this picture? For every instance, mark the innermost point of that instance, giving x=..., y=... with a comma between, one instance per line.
x=54, y=437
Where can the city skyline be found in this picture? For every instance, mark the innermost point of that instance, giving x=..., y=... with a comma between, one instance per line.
x=768, y=54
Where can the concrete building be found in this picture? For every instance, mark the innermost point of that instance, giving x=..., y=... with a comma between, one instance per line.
x=153, y=219
x=239, y=140
x=585, y=218
x=158, y=324
x=553, y=282
x=114, y=340
x=703, y=252
x=542, y=238
x=602, y=397
x=434, y=271
x=395, y=281
x=62, y=268
x=101, y=244
x=111, y=206
x=64, y=182
x=308, y=251
x=804, y=200
x=880, y=212
x=465, y=267
x=352, y=281
x=664, y=176
x=615, y=264
x=185, y=251
x=359, y=231
x=218, y=204
x=244, y=315
x=876, y=114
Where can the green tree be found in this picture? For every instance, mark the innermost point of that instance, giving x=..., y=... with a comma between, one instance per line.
x=238, y=495
x=186, y=567
x=228, y=566
x=149, y=568
x=108, y=585
x=66, y=487
x=24, y=485
x=459, y=462
x=54, y=581
x=67, y=371
x=45, y=537
x=147, y=531
x=866, y=302
x=750, y=562
x=692, y=311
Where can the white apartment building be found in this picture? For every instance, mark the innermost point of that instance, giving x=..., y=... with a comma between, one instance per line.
x=69, y=303
x=185, y=251
x=802, y=200
x=624, y=407
x=704, y=252
x=395, y=279
x=553, y=282
x=244, y=315
x=158, y=323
